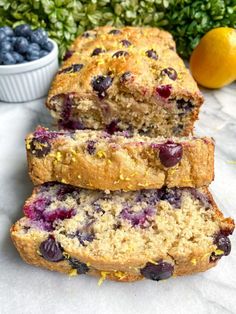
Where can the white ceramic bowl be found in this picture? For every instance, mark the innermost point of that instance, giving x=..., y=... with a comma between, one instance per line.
x=28, y=81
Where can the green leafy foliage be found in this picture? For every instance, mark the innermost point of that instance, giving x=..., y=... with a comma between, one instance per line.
x=187, y=20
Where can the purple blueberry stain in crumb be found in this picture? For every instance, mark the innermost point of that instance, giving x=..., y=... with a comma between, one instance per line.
x=120, y=53
x=159, y=271
x=170, y=154
x=125, y=43
x=91, y=147
x=51, y=250
x=178, y=129
x=100, y=84
x=34, y=211
x=140, y=218
x=223, y=245
x=173, y=196
x=97, y=207
x=70, y=125
x=65, y=190
x=203, y=198
x=164, y=91
x=68, y=54
x=115, y=32
x=184, y=105
x=81, y=267
x=125, y=77
x=85, y=236
x=68, y=100
x=152, y=54
x=72, y=69
x=112, y=127
x=170, y=72
x=97, y=52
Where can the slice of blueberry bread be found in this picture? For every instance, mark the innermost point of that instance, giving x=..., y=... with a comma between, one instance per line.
x=98, y=160
x=125, y=79
x=125, y=236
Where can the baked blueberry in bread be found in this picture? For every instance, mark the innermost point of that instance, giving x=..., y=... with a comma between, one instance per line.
x=123, y=236
x=125, y=79
x=98, y=160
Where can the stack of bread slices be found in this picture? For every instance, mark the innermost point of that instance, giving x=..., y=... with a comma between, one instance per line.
x=122, y=185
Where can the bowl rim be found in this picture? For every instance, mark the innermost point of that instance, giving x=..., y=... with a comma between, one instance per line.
x=31, y=65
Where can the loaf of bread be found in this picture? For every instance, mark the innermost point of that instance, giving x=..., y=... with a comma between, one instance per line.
x=123, y=236
x=97, y=160
x=125, y=79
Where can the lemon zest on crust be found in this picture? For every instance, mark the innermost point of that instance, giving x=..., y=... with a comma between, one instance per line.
x=120, y=274
x=194, y=261
x=73, y=273
x=218, y=252
x=101, y=154
x=103, y=277
x=28, y=142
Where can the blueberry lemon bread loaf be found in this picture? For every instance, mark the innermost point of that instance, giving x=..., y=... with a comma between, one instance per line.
x=122, y=235
x=98, y=160
x=125, y=79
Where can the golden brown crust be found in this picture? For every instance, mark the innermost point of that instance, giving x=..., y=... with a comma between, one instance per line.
x=127, y=165
x=135, y=102
x=28, y=249
x=199, y=260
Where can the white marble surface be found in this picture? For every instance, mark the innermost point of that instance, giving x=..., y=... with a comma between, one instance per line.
x=27, y=289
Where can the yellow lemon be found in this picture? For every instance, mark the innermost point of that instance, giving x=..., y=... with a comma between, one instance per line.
x=213, y=61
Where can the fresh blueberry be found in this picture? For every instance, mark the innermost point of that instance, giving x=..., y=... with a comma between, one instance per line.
x=170, y=154
x=7, y=30
x=7, y=58
x=39, y=36
x=170, y=72
x=2, y=35
x=71, y=69
x=125, y=43
x=33, y=46
x=21, y=45
x=164, y=91
x=18, y=57
x=81, y=268
x=115, y=32
x=33, y=55
x=101, y=83
x=51, y=250
x=48, y=46
x=43, y=53
x=23, y=30
x=5, y=46
x=160, y=271
x=125, y=76
x=97, y=51
x=12, y=40
x=120, y=54
x=151, y=54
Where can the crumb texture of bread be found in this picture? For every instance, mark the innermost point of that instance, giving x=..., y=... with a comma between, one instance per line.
x=122, y=236
x=131, y=79
x=97, y=160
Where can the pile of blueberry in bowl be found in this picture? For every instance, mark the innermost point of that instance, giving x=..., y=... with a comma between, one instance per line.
x=22, y=44
x=28, y=63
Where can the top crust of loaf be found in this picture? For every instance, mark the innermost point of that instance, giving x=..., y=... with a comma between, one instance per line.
x=145, y=71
